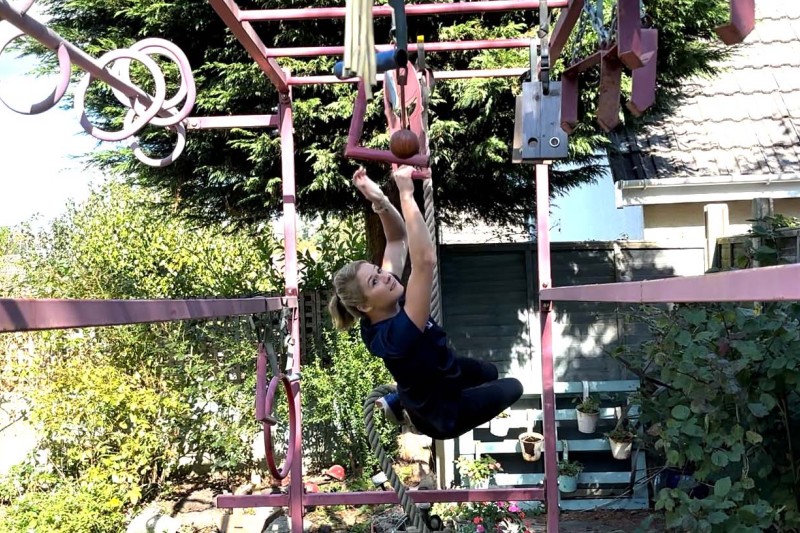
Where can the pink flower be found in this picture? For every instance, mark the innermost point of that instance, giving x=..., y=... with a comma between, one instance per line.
x=501, y=505
x=477, y=520
x=513, y=508
x=480, y=529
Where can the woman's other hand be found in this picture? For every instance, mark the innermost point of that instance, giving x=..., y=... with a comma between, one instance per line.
x=366, y=186
x=402, y=177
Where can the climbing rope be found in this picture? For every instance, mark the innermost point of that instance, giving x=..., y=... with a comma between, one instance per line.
x=359, y=43
x=414, y=516
x=430, y=221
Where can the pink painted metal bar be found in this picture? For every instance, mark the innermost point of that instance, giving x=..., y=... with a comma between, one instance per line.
x=629, y=34
x=546, y=330
x=453, y=8
x=229, y=12
x=354, y=151
x=485, y=44
x=292, y=290
x=32, y=315
x=742, y=21
x=439, y=75
x=237, y=121
x=643, y=89
x=567, y=19
x=777, y=283
x=380, y=497
x=53, y=40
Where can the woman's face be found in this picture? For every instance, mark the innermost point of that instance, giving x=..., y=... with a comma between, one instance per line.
x=381, y=289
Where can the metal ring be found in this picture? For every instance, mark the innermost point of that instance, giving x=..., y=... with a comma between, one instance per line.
x=143, y=118
x=186, y=91
x=268, y=444
x=180, y=144
x=64, y=70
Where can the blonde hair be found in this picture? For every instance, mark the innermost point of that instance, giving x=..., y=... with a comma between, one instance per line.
x=347, y=296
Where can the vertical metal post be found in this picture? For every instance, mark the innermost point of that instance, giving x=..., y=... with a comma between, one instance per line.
x=290, y=271
x=546, y=330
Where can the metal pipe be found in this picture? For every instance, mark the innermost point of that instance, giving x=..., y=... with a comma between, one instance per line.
x=33, y=315
x=546, y=330
x=439, y=75
x=380, y=497
x=458, y=8
x=485, y=44
x=765, y=284
x=292, y=290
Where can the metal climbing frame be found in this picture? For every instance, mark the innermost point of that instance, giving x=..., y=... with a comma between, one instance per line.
x=24, y=315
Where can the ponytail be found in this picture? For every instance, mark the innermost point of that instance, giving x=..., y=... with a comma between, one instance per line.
x=342, y=319
x=347, y=296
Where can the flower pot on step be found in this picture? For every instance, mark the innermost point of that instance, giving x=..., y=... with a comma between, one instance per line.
x=567, y=484
x=531, y=445
x=499, y=426
x=587, y=422
x=621, y=448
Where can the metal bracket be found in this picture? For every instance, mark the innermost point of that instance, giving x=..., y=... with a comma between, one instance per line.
x=537, y=126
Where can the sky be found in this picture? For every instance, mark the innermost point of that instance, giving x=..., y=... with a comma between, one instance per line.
x=38, y=165
x=41, y=169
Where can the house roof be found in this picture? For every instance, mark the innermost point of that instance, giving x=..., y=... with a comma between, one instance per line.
x=745, y=121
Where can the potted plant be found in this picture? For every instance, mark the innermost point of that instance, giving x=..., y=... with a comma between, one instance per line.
x=531, y=444
x=477, y=473
x=568, y=472
x=500, y=424
x=588, y=411
x=621, y=441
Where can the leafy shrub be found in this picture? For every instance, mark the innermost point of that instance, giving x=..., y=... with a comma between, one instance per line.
x=91, y=507
x=721, y=403
x=333, y=399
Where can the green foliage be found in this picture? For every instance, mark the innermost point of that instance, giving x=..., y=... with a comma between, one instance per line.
x=478, y=470
x=726, y=410
x=335, y=243
x=90, y=506
x=569, y=468
x=234, y=175
x=589, y=405
x=335, y=385
x=767, y=232
x=480, y=517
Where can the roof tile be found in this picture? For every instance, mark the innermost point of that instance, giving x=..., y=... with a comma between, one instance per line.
x=747, y=119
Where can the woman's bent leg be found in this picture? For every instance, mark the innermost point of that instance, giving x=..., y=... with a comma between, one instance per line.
x=473, y=407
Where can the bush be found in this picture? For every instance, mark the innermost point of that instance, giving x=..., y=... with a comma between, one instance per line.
x=720, y=400
x=90, y=507
x=333, y=399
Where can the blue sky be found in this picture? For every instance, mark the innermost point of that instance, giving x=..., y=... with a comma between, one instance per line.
x=38, y=164
x=41, y=168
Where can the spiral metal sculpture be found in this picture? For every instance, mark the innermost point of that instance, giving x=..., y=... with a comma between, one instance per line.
x=114, y=68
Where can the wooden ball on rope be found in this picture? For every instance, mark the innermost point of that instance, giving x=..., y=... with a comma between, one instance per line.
x=404, y=143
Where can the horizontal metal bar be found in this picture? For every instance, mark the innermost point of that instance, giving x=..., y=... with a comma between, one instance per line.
x=584, y=478
x=236, y=121
x=439, y=75
x=776, y=283
x=383, y=497
x=457, y=8
x=485, y=44
x=33, y=315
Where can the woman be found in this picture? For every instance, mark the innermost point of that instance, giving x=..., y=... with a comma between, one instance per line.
x=443, y=395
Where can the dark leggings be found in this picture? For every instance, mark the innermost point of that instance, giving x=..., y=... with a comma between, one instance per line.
x=479, y=397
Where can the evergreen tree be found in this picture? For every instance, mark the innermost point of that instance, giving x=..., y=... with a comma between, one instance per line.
x=234, y=176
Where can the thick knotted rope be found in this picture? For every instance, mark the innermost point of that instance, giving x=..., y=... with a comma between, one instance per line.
x=414, y=516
